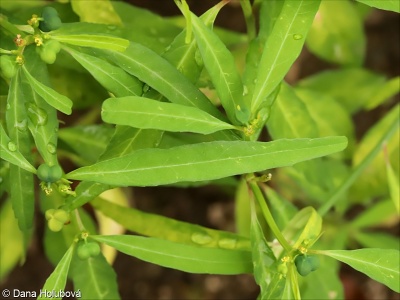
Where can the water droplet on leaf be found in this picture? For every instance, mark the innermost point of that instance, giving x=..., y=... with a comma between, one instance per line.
x=21, y=126
x=145, y=88
x=227, y=243
x=201, y=238
x=198, y=59
x=8, y=106
x=297, y=36
x=51, y=148
x=37, y=115
x=11, y=146
x=111, y=27
x=245, y=90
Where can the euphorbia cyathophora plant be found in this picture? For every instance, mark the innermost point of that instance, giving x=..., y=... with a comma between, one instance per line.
x=176, y=110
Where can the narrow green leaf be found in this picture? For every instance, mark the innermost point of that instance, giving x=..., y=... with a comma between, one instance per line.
x=94, y=41
x=392, y=5
x=182, y=257
x=10, y=153
x=282, y=210
x=381, y=265
x=53, y=98
x=11, y=239
x=112, y=78
x=304, y=228
x=42, y=117
x=388, y=90
x=127, y=139
x=22, y=198
x=356, y=86
x=57, y=280
x=329, y=116
x=96, y=11
x=376, y=215
x=154, y=225
x=275, y=287
x=89, y=142
x=377, y=239
x=94, y=278
x=185, y=56
x=282, y=47
x=373, y=180
x=291, y=290
x=159, y=74
x=263, y=257
x=242, y=208
x=330, y=37
x=220, y=64
x=394, y=187
x=86, y=191
x=290, y=117
x=205, y=161
x=145, y=113
x=146, y=27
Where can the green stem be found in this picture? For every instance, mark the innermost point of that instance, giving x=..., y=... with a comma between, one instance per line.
x=249, y=18
x=358, y=170
x=267, y=215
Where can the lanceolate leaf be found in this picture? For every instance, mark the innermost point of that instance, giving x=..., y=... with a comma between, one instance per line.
x=182, y=257
x=94, y=41
x=220, y=65
x=94, y=278
x=15, y=157
x=154, y=225
x=57, y=280
x=127, y=139
x=263, y=257
x=185, y=56
x=96, y=11
x=21, y=187
x=380, y=264
x=205, y=161
x=282, y=47
x=42, y=117
x=159, y=74
x=146, y=113
x=113, y=78
x=55, y=99
x=85, y=192
x=392, y=5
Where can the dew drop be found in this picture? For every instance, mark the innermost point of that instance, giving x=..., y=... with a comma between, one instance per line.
x=227, y=243
x=11, y=146
x=37, y=115
x=1, y=179
x=21, y=126
x=297, y=36
x=111, y=27
x=51, y=148
x=145, y=88
x=167, y=48
x=201, y=238
x=8, y=106
x=162, y=40
x=153, y=31
x=198, y=59
x=245, y=90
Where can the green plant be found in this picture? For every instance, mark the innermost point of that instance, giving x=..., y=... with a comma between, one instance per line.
x=154, y=100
